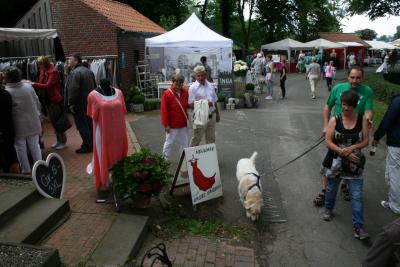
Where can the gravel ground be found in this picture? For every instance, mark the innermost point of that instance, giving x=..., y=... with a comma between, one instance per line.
x=22, y=256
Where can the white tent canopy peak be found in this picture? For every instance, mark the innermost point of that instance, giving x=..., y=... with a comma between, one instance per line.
x=192, y=33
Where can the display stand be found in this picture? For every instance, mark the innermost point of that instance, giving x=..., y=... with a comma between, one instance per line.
x=177, y=171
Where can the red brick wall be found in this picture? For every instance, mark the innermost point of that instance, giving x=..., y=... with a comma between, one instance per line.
x=83, y=30
x=127, y=47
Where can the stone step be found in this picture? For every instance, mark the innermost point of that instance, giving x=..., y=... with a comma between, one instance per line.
x=14, y=201
x=122, y=242
x=36, y=221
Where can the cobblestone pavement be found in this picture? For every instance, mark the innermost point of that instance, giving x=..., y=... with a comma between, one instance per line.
x=78, y=237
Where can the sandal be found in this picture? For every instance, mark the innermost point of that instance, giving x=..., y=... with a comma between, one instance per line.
x=319, y=200
x=344, y=192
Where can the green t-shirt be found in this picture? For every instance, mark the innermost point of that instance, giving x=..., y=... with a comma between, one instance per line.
x=364, y=92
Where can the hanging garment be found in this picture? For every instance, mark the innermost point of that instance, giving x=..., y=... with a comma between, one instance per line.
x=109, y=130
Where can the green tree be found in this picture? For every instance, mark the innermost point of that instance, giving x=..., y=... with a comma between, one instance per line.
x=385, y=38
x=375, y=8
x=366, y=34
x=397, y=34
x=245, y=25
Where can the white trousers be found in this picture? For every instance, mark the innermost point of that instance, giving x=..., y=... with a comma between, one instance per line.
x=182, y=133
x=392, y=177
x=313, y=82
x=21, y=144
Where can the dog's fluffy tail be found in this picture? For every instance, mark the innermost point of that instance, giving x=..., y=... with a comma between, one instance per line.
x=253, y=157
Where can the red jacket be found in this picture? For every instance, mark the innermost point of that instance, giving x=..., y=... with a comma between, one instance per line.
x=53, y=84
x=171, y=113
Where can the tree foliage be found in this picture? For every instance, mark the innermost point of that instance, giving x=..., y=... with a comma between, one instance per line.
x=375, y=8
x=366, y=34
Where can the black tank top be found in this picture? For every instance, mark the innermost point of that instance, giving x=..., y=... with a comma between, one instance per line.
x=346, y=137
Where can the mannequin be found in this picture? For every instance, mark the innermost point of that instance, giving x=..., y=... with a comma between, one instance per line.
x=106, y=107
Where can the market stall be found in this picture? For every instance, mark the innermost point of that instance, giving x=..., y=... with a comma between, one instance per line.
x=323, y=44
x=180, y=50
x=287, y=45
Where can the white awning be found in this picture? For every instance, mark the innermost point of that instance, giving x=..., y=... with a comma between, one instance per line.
x=396, y=42
x=324, y=44
x=350, y=44
x=378, y=45
x=285, y=44
x=10, y=34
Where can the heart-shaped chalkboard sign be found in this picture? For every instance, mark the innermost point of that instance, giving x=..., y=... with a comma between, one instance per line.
x=49, y=176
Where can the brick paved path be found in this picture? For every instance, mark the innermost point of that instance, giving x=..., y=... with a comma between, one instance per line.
x=195, y=251
x=78, y=237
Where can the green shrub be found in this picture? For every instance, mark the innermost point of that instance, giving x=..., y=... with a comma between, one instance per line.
x=221, y=97
x=152, y=103
x=138, y=99
x=130, y=92
x=249, y=86
x=383, y=90
x=393, y=76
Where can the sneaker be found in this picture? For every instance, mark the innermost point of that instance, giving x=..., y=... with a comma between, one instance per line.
x=328, y=215
x=385, y=204
x=361, y=234
x=60, y=146
x=268, y=97
x=55, y=145
x=313, y=97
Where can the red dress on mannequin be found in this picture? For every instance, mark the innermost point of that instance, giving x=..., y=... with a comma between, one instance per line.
x=110, y=139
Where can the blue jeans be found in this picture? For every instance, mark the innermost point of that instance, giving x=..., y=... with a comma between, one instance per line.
x=84, y=126
x=270, y=87
x=355, y=190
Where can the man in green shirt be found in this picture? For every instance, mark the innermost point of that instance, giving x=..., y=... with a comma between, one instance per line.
x=364, y=107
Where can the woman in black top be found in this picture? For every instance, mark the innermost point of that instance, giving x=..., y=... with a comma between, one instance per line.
x=346, y=135
x=283, y=78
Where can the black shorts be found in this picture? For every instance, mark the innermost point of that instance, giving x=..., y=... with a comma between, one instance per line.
x=327, y=162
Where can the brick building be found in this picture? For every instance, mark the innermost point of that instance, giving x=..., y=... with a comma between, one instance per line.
x=103, y=28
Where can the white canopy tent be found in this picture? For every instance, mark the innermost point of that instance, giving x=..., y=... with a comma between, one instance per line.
x=323, y=44
x=11, y=34
x=182, y=47
x=396, y=43
x=286, y=45
x=379, y=45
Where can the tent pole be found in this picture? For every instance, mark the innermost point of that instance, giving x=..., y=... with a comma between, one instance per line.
x=345, y=58
x=288, y=60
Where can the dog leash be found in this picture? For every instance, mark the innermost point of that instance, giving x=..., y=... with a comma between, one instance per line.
x=317, y=143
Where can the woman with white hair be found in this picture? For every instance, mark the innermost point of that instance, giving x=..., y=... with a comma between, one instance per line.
x=25, y=113
x=258, y=66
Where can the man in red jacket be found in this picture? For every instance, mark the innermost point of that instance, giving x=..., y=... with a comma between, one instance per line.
x=174, y=117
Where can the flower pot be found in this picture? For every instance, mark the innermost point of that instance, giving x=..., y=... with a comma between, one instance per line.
x=137, y=108
x=221, y=105
x=141, y=201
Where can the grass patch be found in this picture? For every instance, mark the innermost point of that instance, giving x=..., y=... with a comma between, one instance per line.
x=379, y=110
x=179, y=226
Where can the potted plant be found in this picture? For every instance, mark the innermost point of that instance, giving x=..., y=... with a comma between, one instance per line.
x=129, y=94
x=138, y=103
x=249, y=87
x=240, y=69
x=221, y=101
x=140, y=176
x=241, y=100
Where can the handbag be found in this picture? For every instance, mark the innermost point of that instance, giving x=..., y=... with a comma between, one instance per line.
x=58, y=118
x=188, y=122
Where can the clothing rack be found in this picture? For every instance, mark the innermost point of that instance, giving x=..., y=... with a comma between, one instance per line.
x=25, y=57
x=101, y=57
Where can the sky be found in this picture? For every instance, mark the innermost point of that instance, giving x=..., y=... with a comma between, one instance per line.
x=382, y=26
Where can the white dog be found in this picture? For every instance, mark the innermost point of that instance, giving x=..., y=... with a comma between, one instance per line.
x=250, y=191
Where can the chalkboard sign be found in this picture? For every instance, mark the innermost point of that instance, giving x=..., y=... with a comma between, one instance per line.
x=49, y=176
x=225, y=83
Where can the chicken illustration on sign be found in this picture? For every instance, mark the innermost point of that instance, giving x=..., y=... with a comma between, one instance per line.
x=203, y=183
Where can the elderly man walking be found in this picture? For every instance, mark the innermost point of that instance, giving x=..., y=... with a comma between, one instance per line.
x=201, y=89
x=80, y=83
x=313, y=74
x=390, y=126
